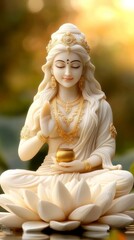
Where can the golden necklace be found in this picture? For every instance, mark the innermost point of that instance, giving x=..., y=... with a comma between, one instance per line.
x=68, y=136
x=68, y=108
x=68, y=105
x=67, y=120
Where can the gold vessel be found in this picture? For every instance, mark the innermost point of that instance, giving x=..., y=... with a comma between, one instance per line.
x=65, y=155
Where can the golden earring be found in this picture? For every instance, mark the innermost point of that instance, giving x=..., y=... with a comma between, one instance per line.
x=53, y=82
x=81, y=83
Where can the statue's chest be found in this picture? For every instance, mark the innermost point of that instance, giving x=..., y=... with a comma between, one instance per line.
x=69, y=121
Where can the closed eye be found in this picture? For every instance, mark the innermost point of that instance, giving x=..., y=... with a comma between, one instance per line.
x=60, y=64
x=75, y=66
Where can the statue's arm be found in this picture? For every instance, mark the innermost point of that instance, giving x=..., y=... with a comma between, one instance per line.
x=30, y=146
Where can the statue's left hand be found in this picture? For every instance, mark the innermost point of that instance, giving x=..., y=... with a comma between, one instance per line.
x=74, y=166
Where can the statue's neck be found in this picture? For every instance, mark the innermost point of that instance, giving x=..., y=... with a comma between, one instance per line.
x=68, y=94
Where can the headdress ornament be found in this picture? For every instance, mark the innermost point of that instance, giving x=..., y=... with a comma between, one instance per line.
x=69, y=40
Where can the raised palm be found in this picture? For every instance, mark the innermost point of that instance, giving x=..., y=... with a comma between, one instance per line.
x=46, y=120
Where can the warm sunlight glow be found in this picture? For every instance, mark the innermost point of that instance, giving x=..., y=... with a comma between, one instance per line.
x=82, y=4
x=127, y=4
x=105, y=13
x=109, y=24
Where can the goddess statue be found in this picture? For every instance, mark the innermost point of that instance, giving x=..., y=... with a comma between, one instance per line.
x=69, y=113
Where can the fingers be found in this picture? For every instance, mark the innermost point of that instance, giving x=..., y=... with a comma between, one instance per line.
x=63, y=164
x=54, y=160
x=66, y=164
x=47, y=123
x=46, y=110
x=59, y=168
x=55, y=167
x=70, y=164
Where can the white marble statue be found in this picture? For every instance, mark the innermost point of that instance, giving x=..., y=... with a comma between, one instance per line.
x=71, y=114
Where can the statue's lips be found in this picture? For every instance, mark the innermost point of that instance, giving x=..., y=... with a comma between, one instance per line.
x=68, y=78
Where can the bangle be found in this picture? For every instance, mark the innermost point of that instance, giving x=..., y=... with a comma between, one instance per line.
x=41, y=137
x=87, y=165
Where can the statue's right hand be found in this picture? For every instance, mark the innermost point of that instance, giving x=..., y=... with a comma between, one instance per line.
x=46, y=120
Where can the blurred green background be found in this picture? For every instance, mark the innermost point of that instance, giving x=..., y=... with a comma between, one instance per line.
x=25, y=29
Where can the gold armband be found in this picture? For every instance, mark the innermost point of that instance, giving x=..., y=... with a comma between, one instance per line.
x=41, y=137
x=113, y=130
x=87, y=165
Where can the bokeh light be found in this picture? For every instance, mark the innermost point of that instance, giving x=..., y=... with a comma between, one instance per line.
x=35, y=6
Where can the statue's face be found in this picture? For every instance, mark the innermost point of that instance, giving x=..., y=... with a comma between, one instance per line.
x=67, y=69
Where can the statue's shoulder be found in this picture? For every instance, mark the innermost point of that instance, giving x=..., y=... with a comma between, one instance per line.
x=104, y=104
x=105, y=109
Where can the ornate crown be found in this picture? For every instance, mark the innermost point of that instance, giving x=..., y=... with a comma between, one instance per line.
x=68, y=39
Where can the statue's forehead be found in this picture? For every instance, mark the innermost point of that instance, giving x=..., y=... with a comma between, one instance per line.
x=67, y=56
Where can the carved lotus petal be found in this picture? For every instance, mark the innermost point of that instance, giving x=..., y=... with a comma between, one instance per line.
x=95, y=191
x=4, y=214
x=130, y=213
x=4, y=200
x=71, y=185
x=62, y=197
x=43, y=193
x=34, y=226
x=64, y=226
x=116, y=220
x=49, y=211
x=96, y=227
x=23, y=212
x=92, y=201
x=85, y=214
x=11, y=220
x=48, y=193
x=81, y=194
x=17, y=198
x=106, y=196
x=121, y=204
x=31, y=200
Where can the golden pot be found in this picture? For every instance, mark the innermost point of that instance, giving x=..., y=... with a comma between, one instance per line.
x=65, y=155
